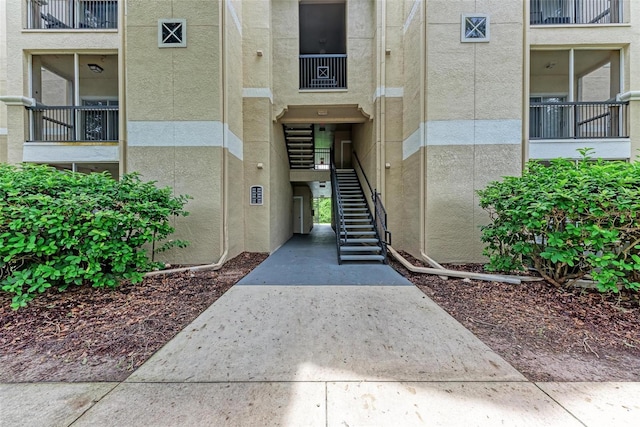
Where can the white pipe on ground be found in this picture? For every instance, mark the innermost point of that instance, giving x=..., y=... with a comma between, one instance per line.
x=453, y=273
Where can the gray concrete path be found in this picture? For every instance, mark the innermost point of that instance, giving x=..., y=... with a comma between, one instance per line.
x=312, y=260
x=326, y=355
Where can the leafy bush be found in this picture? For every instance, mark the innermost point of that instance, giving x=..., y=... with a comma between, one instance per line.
x=567, y=220
x=62, y=228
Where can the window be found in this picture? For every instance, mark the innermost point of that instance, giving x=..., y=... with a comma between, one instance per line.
x=172, y=33
x=474, y=28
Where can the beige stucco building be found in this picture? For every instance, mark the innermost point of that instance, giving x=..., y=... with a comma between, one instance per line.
x=245, y=104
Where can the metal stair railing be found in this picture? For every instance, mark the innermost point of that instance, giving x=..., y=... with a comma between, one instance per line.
x=338, y=209
x=379, y=212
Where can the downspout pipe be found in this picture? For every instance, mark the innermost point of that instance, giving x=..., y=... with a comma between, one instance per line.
x=423, y=136
x=382, y=115
x=224, y=238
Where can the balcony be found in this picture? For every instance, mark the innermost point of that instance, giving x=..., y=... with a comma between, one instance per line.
x=576, y=12
x=72, y=14
x=560, y=129
x=96, y=123
x=323, y=71
x=578, y=120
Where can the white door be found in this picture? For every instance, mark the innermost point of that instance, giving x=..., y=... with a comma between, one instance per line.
x=345, y=155
x=297, y=214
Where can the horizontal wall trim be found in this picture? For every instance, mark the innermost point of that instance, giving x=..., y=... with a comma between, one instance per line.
x=616, y=148
x=257, y=92
x=183, y=134
x=413, y=143
x=463, y=132
x=39, y=152
x=389, y=92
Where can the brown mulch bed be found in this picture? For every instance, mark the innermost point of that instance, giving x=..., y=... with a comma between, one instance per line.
x=546, y=333
x=103, y=335
x=86, y=334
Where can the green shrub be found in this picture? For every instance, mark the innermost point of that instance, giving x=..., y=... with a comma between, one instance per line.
x=62, y=228
x=567, y=220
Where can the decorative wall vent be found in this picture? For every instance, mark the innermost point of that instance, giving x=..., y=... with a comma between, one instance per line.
x=256, y=195
x=474, y=28
x=172, y=33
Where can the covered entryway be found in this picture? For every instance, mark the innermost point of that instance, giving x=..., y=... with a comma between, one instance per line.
x=324, y=165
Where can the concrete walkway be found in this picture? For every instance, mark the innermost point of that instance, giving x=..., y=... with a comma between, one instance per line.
x=322, y=352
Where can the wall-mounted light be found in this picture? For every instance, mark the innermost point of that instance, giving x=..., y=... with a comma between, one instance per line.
x=260, y=165
x=387, y=52
x=387, y=165
x=259, y=52
x=95, y=68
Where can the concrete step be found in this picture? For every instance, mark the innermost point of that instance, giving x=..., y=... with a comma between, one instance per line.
x=298, y=132
x=360, y=249
x=361, y=258
x=358, y=233
x=299, y=139
x=354, y=240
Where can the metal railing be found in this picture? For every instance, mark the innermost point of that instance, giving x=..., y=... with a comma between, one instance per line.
x=378, y=211
x=323, y=71
x=554, y=12
x=72, y=14
x=322, y=158
x=338, y=209
x=73, y=124
x=577, y=120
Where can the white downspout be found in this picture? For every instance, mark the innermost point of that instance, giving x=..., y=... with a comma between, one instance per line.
x=423, y=145
x=382, y=63
x=423, y=124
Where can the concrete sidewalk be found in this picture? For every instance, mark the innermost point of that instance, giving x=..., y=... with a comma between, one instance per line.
x=325, y=355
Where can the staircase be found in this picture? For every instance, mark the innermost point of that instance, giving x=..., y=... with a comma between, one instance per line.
x=359, y=240
x=300, y=146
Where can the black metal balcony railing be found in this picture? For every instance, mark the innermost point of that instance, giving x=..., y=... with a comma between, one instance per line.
x=322, y=158
x=576, y=120
x=72, y=14
x=550, y=12
x=323, y=71
x=73, y=124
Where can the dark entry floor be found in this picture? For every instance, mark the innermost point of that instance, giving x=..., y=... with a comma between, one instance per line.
x=312, y=260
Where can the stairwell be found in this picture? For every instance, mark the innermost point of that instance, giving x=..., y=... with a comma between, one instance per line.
x=358, y=238
x=300, y=146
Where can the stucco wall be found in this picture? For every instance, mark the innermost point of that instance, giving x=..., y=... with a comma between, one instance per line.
x=3, y=82
x=256, y=20
x=281, y=196
x=471, y=138
x=360, y=55
x=175, y=129
x=408, y=236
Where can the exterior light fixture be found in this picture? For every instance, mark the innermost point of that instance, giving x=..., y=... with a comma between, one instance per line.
x=95, y=68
